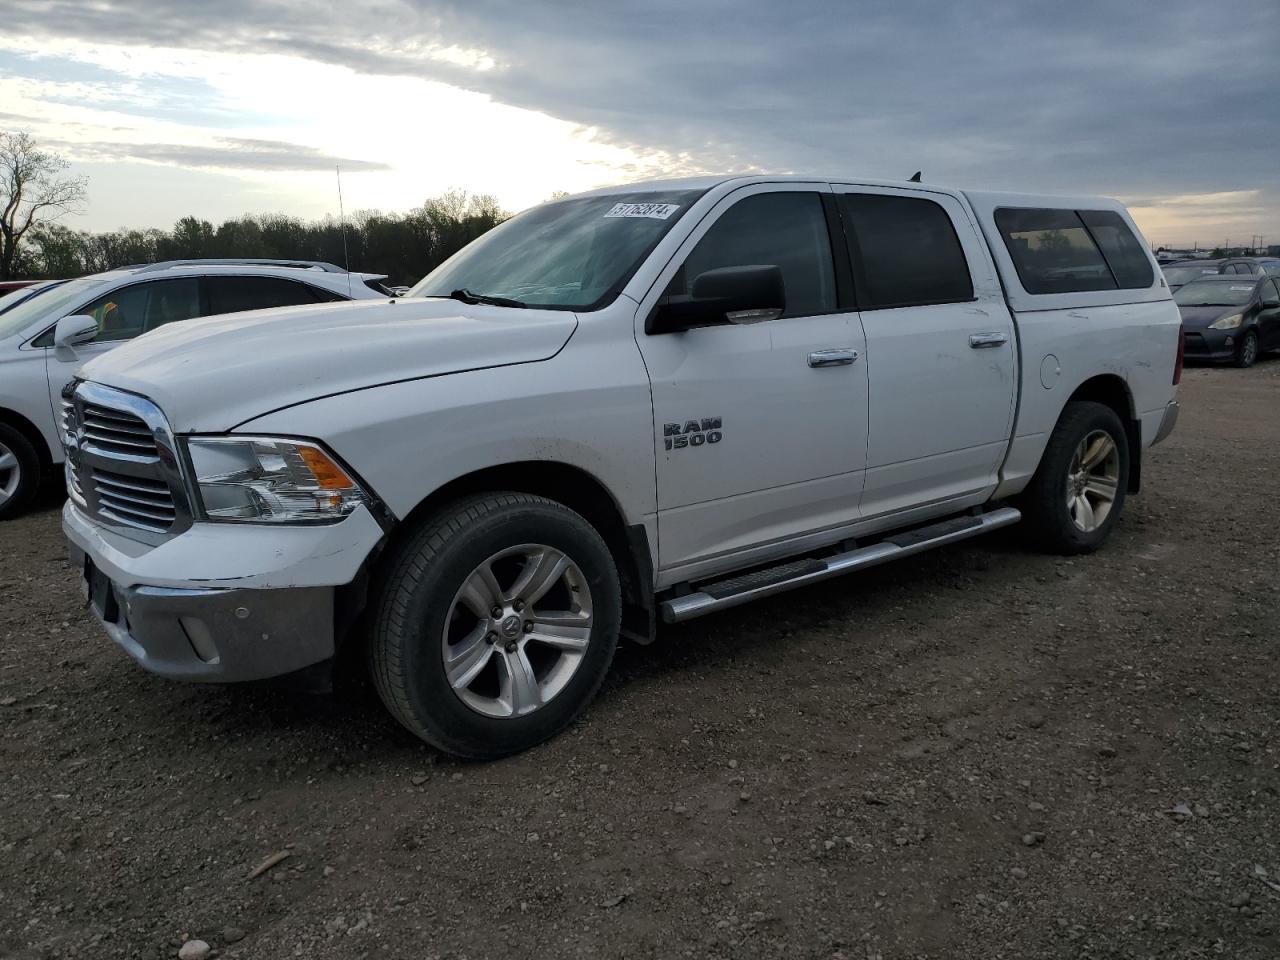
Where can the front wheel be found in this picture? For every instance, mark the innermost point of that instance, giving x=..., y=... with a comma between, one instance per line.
x=496, y=624
x=1247, y=354
x=1078, y=491
x=19, y=472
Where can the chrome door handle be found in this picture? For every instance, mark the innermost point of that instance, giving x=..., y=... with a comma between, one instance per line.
x=838, y=357
x=981, y=341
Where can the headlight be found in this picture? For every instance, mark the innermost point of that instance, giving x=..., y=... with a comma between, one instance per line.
x=268, y=480
x=1227, y=323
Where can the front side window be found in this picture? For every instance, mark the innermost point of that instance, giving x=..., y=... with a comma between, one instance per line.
x=574, y=254
x=234, y=294
x=906, y=252
x=126, y=312
x=1272, y=267
x=1052, y=251
x=786, y=230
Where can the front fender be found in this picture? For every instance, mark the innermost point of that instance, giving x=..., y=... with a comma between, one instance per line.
x=587, y=408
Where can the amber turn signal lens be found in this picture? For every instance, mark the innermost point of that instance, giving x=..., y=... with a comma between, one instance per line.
x=327, y=473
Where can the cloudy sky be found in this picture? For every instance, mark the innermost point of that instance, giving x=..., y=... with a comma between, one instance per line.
x=218, y=108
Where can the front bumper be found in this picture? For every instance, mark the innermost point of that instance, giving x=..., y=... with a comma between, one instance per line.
x=1211, y=344
x=209, y=634
x=174, y=609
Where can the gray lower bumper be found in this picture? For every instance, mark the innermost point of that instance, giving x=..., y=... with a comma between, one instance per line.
x=1168, y=423
x=213, y=635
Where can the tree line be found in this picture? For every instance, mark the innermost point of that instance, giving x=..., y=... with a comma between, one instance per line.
x=37, y=190
x=405, y=246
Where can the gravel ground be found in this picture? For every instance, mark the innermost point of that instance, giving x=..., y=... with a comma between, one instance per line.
x=980, y=752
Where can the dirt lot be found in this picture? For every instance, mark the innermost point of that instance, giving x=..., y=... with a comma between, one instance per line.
x=975, y=753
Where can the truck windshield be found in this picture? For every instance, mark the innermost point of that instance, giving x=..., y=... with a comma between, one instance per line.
x=44, y=305
x=572, y=254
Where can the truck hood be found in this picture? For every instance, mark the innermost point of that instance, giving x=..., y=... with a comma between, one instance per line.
x=210, y=375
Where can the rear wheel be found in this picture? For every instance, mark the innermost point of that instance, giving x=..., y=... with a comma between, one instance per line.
x=496, y=625
x=1247, y=353
x=1078, y=491
x=19, y=472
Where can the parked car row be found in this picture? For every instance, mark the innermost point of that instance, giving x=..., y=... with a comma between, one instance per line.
x=1230, y=317
x=1184, y=271
x=109, y=309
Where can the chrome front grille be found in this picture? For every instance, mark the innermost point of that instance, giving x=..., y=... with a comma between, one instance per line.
x=116, y=431
x=73, y=482
x=134, y=500
x=122, y=465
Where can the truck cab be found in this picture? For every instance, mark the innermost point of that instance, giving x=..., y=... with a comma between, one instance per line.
x=640, y=403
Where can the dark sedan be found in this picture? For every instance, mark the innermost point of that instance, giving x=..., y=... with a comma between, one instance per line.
x=1231, y=318
x=1184, y=271
x=1247, y=265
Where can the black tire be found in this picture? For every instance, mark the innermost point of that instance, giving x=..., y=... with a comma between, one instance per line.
x=1247, y=352
x=422, y=577
x=22, y=480
x=1046, y=514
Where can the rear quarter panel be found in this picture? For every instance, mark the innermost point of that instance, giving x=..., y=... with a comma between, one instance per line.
x=1066, y=339
x=1062, y=349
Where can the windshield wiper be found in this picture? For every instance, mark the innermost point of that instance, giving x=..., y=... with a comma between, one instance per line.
x=466, y=296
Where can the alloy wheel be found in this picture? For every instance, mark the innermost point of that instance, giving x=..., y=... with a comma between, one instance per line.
x=517, y=630
x=1249, y=350
x=1093, y=480
x=10, y=474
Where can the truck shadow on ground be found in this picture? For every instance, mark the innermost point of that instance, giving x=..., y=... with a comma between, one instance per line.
x=352, y=721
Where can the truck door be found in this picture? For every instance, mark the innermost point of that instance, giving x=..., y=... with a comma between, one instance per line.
x=760, y=428
x=940, y=349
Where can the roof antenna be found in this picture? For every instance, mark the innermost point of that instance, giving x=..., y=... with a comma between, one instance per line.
x=915, y=177
x=342, y=214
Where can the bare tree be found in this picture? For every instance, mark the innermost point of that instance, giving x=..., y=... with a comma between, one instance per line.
x=34, y=188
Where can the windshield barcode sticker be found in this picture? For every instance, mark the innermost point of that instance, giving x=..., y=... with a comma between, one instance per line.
x=654, y=211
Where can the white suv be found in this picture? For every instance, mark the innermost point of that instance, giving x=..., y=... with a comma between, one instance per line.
x=123, y=304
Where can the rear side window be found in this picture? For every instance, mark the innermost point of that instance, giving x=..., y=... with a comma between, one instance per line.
x=233, y=294
x=1124, y=253
x=905, y=252
x=1053, y=251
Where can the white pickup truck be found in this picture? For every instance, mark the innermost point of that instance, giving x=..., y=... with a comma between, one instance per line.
x=641, y=403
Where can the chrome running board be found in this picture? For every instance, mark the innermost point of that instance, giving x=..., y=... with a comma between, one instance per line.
x=723, y=594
